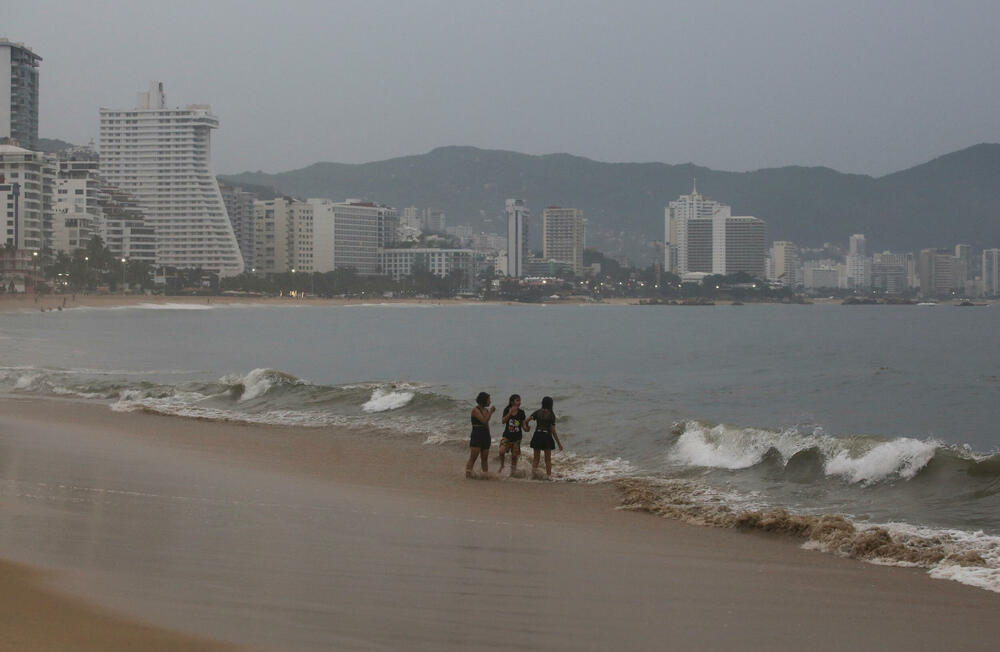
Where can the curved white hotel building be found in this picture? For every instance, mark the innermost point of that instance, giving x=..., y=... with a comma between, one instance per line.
x=163, y=157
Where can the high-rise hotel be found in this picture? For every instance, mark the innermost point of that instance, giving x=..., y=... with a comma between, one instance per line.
x=563, y=236
x=702, y=235
x=163, y=157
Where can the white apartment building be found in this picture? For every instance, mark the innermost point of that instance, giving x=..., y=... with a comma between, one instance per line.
x=19, y=94
x=859, y=263
x=517, y=214
x=991, y=272
x=27, y=215
x=825, y=276
x=563, y=236
x=283, y=236
x=687, y=239
x=350, y=234
x=401, y=263
x=786, y=264
x=163, y=157
x=738, y=244
x=77, y=211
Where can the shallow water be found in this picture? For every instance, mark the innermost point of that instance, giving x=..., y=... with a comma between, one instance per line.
x=880, y=413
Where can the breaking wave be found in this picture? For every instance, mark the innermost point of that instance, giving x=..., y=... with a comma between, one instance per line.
x=387, y=399
x=862, y=460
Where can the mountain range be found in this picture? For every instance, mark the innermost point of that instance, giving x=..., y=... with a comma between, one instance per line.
x=951, y=199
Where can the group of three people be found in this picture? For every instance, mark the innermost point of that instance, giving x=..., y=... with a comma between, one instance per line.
x=515, y=425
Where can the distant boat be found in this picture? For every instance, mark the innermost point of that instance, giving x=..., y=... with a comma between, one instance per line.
x=927, y=303
x=966, y=302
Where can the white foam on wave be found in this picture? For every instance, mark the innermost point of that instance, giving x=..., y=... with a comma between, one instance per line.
x=383, y=400
x=901, y=457
x=856, y=460
x=588, y=468
x=725, y=447
x=28, y=381
x=259, y=381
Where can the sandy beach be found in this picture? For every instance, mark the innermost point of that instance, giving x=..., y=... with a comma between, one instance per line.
x=163, y=533
x=21, y=302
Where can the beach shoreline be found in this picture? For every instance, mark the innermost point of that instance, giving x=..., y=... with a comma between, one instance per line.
x=413, y=552
x=29, y=302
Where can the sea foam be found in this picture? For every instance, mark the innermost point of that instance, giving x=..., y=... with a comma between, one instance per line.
x=902, y=458
x=383, y=400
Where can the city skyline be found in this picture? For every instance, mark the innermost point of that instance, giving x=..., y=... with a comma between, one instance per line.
x=779, y=90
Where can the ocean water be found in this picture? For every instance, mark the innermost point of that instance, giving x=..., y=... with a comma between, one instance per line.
x=867, y=431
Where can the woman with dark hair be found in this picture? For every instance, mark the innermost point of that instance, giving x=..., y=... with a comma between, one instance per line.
x=545, y=431
x=479, y=440
x=513, y=419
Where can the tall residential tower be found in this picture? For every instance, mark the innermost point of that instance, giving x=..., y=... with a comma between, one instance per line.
x=163, y=157
x=517, y=236
x=563, y=236
x=19, y=94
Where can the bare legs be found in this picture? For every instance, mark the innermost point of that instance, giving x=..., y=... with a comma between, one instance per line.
x=548, y=461
x=481, y=453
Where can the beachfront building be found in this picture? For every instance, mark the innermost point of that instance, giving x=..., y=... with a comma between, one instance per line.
x=688, y=233
x=517, y=214
x=388, y=226
x=563, y=237
x=939, y=273
x=283, y=233
x=738, y=244
x=162, y=156
x=785, y=264
x=402, y=263
x=350, y=235
x=27, y=215
x=820, y=276
x=963, y=252
x=19, y=94
x=889, y=272
x=77, y=212
x=239, y=209
x=991, y=272
x=859, y=263
x=123, y=227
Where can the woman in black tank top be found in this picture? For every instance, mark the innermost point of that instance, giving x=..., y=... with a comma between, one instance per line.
x=545, y=437
x=479, y=440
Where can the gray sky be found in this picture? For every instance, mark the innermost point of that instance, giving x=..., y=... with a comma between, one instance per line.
x=869, y=87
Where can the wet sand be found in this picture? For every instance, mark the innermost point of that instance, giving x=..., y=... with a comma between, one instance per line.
x=291, y=538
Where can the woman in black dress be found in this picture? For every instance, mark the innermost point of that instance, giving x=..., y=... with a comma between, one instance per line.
x=545, y=437
x=479, y=440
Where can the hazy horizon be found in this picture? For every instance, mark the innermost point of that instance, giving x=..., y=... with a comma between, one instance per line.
x=857, y=88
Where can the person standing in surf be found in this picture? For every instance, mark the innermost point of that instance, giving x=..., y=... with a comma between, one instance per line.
x=545, y=437
x=513, y=418
x=479, y=440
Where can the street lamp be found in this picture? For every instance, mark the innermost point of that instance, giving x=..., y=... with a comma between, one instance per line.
x=123, y=276
x=34, y=273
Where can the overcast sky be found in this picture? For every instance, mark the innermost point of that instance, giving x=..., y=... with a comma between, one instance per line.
x=869, y=87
